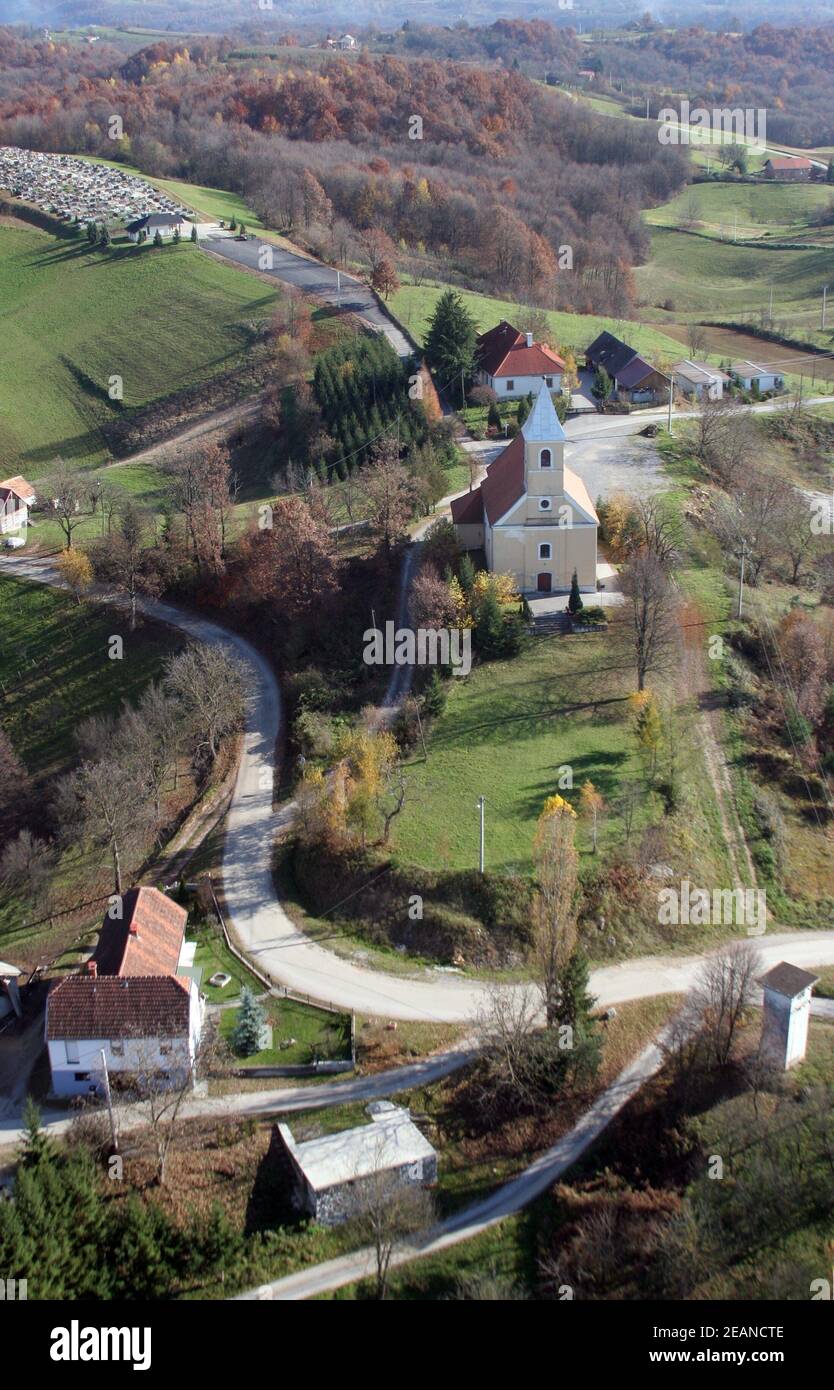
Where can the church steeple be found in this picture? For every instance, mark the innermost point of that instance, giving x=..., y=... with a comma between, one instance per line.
x=544, y=447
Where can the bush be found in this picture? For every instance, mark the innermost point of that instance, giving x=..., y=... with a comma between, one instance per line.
x=315, y=734
x=481, y=395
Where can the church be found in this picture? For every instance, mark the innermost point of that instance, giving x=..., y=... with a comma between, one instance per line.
x=531, y=515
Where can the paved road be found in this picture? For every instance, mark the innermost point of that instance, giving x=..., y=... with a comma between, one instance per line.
x=290, y=958
x=315, y=279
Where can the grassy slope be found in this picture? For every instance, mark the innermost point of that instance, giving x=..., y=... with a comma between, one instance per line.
x=162, y=320
x=779, y=210
x=414, y=306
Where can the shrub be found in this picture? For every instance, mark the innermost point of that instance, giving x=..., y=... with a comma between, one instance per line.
x=482, y=395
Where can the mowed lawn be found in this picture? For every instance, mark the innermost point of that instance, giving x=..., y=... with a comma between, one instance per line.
x=506, y=732
x=55, y=670
x=160, y=318
x=414, y=305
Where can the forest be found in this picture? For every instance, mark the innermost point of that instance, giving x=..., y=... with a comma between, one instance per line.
x=484, y=174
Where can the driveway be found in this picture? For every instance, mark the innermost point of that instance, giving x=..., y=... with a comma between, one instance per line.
x=314, y=279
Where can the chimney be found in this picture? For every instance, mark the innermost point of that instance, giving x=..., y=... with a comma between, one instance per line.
x=92, y=968
x=529, y=340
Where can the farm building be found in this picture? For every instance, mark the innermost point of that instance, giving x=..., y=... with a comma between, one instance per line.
x=785, y=167
x=699, y=380
x=750, y=376
x=332, y=1171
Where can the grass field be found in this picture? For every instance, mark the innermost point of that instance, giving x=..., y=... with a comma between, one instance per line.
x=506, y=733
x=780, y=211
x=705, y=278
x=301, y=1034
x=55, y=670
x=414, y=305
x=73, y=317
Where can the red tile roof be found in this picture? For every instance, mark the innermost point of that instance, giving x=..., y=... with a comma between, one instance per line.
x=18, y=486
x=85, y=1007
x=468, y=510
x=147, y=940
x=503, y=352
x=785, y=162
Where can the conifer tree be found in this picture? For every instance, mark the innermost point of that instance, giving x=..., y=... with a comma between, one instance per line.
x=246, y=1037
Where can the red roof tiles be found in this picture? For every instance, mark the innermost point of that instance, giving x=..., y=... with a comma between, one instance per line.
x=147, y=940
x=83, y=1007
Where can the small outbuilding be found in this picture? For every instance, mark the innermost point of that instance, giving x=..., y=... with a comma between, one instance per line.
x=787, y=1009
x=330, y=1172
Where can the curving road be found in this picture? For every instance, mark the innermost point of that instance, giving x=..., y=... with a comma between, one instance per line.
x=289, y=957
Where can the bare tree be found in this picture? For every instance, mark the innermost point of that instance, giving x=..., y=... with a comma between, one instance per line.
x=209, y=682
x=106, y=802
x=159, y=1091
x=793, y=527
x=658, y=528
x=653, y=605
x=387, y=1213
x=67, y=495
x=506, y=1021
x=725, y=988
x=389, y=495
x=554, y=906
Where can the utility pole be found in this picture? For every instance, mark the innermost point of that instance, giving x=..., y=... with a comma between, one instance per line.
x=338, y=289
x=741, y=578
x=481, y=804
x=671, y=399
x=770, y=310
x=462, y=388
x=109, y=1099
x=824, y=297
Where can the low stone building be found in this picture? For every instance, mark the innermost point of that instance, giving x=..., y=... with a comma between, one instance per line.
x=332, y=1171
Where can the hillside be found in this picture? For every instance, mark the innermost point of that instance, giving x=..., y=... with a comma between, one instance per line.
x=73, y=317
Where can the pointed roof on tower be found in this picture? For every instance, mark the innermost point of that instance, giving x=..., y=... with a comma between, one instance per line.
x=542, y=424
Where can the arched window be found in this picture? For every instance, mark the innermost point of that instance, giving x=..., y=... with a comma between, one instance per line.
x=544, y=551
x=545, y=460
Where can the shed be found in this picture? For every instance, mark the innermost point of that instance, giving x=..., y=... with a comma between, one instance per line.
x=787, y=1009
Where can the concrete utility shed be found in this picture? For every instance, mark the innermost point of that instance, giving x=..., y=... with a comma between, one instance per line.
x=330, y=1170
x=787, y=1009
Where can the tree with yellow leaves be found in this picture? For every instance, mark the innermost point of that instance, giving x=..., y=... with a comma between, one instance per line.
x=593, y=805
x=76, y=571
x=648, y=726
x=554, y=901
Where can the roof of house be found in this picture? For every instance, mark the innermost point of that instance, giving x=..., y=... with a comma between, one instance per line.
x=787, y=162
x=699, y=373
x=748, y=368
x=145, y=940
x=19, y=487
x=787, y=979
x=390, y=1141
x=635, y=371
x=503, y=352
x=110, y=1006
x=610, y=352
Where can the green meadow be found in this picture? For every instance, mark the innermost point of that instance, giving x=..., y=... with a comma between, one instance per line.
x=162, y=319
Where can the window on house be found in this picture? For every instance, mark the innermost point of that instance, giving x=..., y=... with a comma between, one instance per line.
x=545, y=459
x=548, y=381
x=510, y=385
x=81, y=1075
x=544, y=504
x=117, y=1049
x=544, y=552
x=72, y=1051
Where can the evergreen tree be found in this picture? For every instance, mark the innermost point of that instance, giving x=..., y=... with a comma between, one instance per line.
x=157, y=238
x=494, y=416
x=434, y=698
x=194, y=234
x=92, y=233
x=601, y=386
x=450, y=343
x=467, y=574
x=176, y=237
x=575, y=604
x=36, y=1145
x=525, y=405
x=104, y=236
x=246, y=1038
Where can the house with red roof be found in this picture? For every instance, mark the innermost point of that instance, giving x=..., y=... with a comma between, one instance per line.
x=786, y=167
x=513, y=365
x=532, y=515
x=135, y=1005
x=16, y=498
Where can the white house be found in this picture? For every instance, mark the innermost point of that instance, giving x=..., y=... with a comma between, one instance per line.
x=137, y=1001
x=749, y=375
x=532, y=515
x=330, y=1172
x=787, y=1011
x=16, y=498
x=699, y=380
x=166, y=223
x=513, y=365
x=347, y=41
